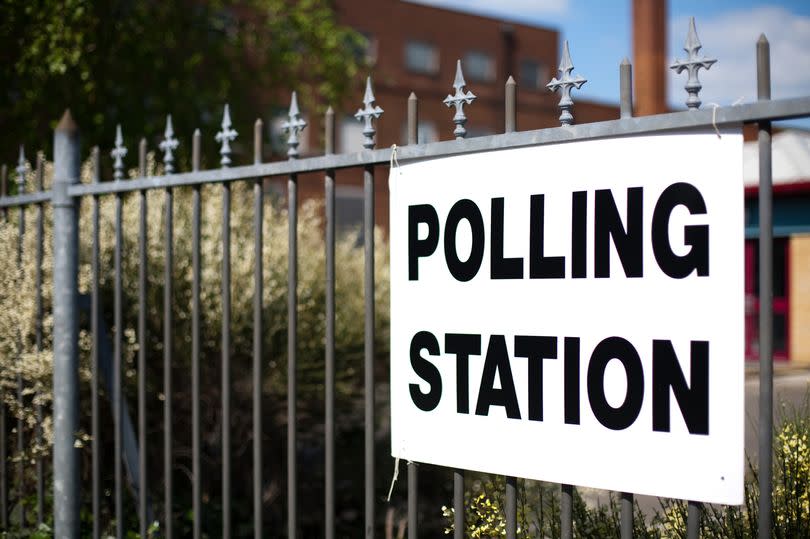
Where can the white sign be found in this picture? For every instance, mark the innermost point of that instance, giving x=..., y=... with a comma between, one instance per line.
x=573, y=313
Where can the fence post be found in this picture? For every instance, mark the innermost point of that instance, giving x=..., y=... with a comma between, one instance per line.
x=765, y=296
x=65, y=329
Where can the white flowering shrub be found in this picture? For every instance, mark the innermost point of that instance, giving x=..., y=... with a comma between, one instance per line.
x=539, y=507
x=22, y=362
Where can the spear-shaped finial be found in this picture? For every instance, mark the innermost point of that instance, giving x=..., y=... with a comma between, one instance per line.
x=367, y=115
x=21, y=171
x=225, y=137
x=293, y=126
x=168, y=145
x=565, y=84
x=692, y=65
x=458, y=100
x=118, y=153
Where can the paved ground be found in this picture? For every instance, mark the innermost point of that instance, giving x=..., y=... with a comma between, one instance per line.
x=790, y=391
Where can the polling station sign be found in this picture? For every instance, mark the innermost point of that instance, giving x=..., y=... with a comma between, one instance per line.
x=574, y=313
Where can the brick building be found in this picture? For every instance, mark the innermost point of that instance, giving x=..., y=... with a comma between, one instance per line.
x=414, y=48
x=791, y=247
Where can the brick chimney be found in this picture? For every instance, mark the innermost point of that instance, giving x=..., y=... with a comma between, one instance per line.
x=649, y=56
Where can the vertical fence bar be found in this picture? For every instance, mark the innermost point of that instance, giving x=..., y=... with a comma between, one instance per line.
x=4, y=188
x=95, y=313
x=626, y=111
x=367, y=115
x=118, y=345
x=168, y=339
x=765, y=296
x=329, y=359
x=413, y=500
x=226, y=360
x=195, y=342
x=20, y=397
x=258, y=293
x=292, y=332
x=368, y=236
x=693, y=520
x=626, y=523
x=413, y=468
x=3, y=464
x=510, y=106
x=66, y=475
x=38, y=333
x=142, y=343
x=511, y=507
x=458, y=504
x=292, y=127
x=3, y=413
x=566, y=511
x=459, y=119
x=225, y=136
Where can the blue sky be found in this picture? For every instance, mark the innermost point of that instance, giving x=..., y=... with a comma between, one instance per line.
x=599, y=35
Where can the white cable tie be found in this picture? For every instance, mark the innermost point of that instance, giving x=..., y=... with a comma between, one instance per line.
x=394, y=157
x=715, y=106
x=396, y=470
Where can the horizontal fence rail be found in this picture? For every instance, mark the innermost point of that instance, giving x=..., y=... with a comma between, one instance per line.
x=153, y=494
x=746, y=113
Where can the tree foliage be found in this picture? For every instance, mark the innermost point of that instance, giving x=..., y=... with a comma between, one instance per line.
x=132, y=62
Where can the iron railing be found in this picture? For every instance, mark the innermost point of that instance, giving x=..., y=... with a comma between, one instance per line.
x=66, y=194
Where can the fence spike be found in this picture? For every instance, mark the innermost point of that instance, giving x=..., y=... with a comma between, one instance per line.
x=142, y=157
x=40, y=171
x=625, y=89
x=196, y=152
x=293, y=126
x=258, y=127
x=225, y=137
x=95, y=156
x=367, y=115
x=118, y=153
x=510, y=105
x=21, y=171
x=565, y=84
x=168, y=145
x=3, y=182
x=458, y=100
x=329, y=131
x=692, y=65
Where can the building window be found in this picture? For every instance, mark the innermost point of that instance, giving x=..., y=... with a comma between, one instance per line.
x=532, y=74
x=479, y=66
x=781, y=297
x=368, y=52
x=350, y=135
x=421, y=57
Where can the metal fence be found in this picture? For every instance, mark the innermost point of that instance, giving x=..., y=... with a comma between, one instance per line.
x=67, y=193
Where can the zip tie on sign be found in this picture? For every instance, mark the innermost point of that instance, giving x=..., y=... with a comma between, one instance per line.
x=396, y=462
x=394, y=157
x=715, y=106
